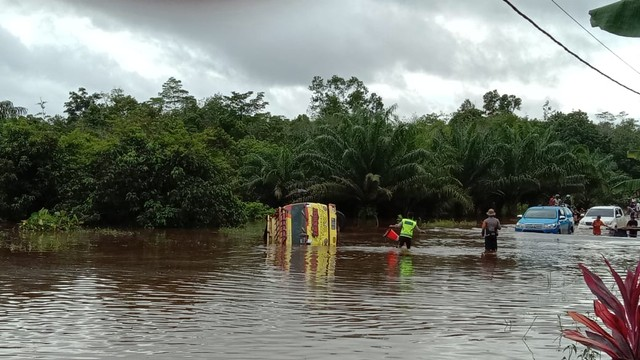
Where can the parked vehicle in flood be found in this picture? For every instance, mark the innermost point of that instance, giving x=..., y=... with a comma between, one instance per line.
x=612, y=216
x=546, y=219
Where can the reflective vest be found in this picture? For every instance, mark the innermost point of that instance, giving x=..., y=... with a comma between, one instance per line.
x=407, y=228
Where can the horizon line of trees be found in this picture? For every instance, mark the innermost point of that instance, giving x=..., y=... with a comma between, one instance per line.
x=173, y=161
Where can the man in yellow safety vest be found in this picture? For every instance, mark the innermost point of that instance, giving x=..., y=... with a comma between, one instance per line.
x=407, y=226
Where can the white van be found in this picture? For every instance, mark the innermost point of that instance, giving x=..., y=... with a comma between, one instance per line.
x=612, y=216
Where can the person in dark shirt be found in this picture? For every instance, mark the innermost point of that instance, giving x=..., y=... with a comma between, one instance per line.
x=633, y=223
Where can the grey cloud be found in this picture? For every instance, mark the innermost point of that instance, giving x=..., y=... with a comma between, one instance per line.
x=288, y=42
x=50, y=73
x=260, y=44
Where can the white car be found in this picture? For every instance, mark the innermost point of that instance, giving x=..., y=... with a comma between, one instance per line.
x=612, y=216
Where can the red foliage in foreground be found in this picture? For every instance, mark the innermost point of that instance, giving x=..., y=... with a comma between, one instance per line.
x=621, y=318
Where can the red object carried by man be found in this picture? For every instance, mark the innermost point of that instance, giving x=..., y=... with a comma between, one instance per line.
x=391, y=235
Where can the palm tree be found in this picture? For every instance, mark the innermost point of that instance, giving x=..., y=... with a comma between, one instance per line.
x=467, y=154
x=604, y=182
x=529, y=160
x=366, y=160
x=274, y=175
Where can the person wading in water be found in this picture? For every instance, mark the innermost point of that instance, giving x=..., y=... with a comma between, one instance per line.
x=407, y=225
x=596, y=225
x=490, y=227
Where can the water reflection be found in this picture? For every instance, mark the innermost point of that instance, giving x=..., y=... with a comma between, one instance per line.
x=198, y=294
x=399, y=269
x=279, y=256
x=318, y=263
x=406, y=266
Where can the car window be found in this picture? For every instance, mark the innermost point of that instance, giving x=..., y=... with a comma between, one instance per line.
x=618, y=212
x=600, y=212
x=537, y=213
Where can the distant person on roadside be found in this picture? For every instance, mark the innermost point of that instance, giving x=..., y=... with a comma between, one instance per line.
x=581, y=212
x=597, y=223
x=490, y=227
x=633, y=224
x=552, y=200
x=407, y=226
x=632, y=208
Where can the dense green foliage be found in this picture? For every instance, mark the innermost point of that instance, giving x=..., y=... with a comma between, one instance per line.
x=43, y=220
x=174, y=161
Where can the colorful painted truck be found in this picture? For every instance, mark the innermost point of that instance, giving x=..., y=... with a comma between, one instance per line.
x=303, y=224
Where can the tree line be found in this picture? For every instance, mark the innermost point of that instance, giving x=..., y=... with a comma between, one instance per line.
x=176, y=161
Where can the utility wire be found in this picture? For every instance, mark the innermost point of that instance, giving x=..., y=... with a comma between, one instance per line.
x=566, y=49
x=593, y=36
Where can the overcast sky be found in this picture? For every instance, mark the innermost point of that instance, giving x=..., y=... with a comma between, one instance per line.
x=423, y=55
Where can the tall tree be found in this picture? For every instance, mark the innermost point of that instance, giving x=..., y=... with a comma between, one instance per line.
x=173, y=97
x=531, y=161
x=495, y=103
x=469, y=155
x=575, y=128
x=79, y=102
x=238, y=114
x=8, y=110
x=624, y=136
x=365, y=161
x=276, y=175
x=602, y=179
x=465, y=113
x=338, y=96
x=245, y=104
x=28, y=168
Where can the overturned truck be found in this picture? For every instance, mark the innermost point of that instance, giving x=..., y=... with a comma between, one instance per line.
x=303, y=224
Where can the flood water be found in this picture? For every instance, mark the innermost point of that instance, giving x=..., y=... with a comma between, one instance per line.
x=200, y=295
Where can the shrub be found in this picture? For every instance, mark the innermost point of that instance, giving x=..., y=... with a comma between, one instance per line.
x=43, y=220
x=621, y=318
x=444, y=223
x=255, y=211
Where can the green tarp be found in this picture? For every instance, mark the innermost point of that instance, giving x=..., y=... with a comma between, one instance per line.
x=620, y=18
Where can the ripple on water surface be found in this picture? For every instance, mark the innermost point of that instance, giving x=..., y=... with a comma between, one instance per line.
x=203, y=296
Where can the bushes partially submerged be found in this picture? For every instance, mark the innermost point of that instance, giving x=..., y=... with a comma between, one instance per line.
x=43, y=220
x=256, y=211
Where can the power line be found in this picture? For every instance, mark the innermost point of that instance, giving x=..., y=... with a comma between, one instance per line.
x=593, y=36
x=566, y=49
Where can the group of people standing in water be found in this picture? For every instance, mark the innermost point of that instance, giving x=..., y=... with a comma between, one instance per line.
x=490, y=227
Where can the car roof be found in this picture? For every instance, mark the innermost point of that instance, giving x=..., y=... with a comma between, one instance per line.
x=604, y=207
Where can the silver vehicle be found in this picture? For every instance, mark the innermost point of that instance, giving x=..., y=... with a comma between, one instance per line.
x=612, y=216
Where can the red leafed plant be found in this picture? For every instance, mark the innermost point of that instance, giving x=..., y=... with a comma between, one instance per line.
x=621, y=318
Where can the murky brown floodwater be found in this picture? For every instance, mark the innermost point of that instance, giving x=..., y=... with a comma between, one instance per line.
x=195, y=294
